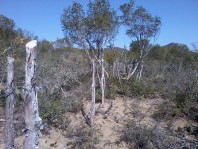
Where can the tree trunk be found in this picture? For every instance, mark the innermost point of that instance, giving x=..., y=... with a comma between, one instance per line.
x=114, y=65
x=32, y=120
x=139, y=74
x=9, y=109
x=132, y=71
x=103, y=81
x=117, y=70
x=93, y=98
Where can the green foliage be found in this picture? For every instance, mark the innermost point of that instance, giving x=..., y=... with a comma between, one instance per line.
x=51, y=108
x=142, y=27
x=140, y=24
x=137, y=88
x=166, y=111
x=92, y=29
x=45, y=46
x=72, y=21
x=101, y=21
x=110, y=57
x=131, y=87
x=7, y=33
x=157, y=53
x=52, y=112
x=177, y=54
x=171, y=70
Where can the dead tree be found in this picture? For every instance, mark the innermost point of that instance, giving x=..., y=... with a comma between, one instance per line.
x=9, y=109
x=32, y=120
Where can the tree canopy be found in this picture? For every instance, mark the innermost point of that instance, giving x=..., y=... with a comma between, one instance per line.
x=140, y=24
x=93, y=29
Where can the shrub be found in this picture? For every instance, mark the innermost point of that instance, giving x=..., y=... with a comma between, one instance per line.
x=134, y=136
x=166, y=111
x=51, y=108
x=82, y=138
x=52, y=112
x=141, y=137
x=187, y=99
x=131, y=87
x=110, y=92
x=72, y=104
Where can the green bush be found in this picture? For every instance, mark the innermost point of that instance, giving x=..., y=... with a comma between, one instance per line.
x=51, y=108
x=52, y=112
x=166, y=111
x=131, y=87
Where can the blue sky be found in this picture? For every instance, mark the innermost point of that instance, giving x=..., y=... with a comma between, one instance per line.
x=42, y=17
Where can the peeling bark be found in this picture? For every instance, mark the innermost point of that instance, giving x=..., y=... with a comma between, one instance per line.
x=32, y=120
x=9, y=109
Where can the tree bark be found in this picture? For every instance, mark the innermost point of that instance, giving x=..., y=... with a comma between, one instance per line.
x=114, y=65
x=9, y=109
x=93, y=98
x=103, y=82
x=32, y=120
x=139, y=74
x=132, y=71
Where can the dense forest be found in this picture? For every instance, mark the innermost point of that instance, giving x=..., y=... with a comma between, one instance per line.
x=92, y=94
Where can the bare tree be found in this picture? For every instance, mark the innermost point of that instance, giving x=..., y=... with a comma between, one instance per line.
x=32, y=120
x=9, y=109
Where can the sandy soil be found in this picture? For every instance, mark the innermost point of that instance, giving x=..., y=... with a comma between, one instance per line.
x=108, y=119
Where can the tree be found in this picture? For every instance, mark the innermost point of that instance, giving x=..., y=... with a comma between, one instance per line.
x=142, y=27
x=45, y=46
x=92, y=31
x=61, y=43
x=7, y=34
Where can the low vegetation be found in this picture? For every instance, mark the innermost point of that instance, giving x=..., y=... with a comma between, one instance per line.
x=145, y=72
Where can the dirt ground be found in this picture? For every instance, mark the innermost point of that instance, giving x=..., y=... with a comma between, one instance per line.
x=108, y=120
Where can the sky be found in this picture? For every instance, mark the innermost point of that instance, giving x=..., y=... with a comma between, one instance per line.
x=42, y=18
